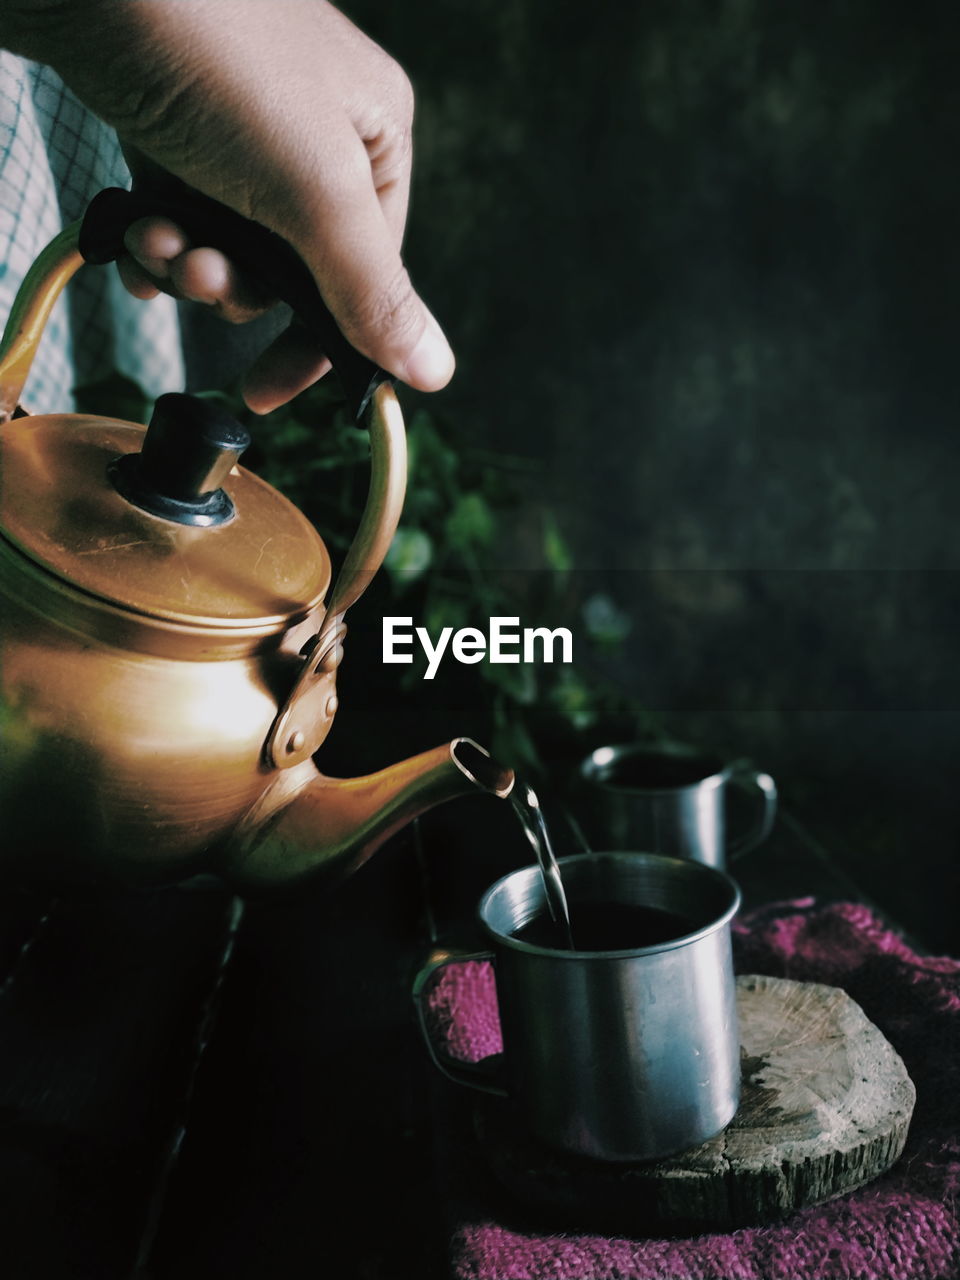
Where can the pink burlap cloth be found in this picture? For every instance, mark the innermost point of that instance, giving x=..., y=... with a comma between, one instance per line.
x=903, y=1226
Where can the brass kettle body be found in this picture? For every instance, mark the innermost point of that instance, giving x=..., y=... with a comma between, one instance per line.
x=168, y=663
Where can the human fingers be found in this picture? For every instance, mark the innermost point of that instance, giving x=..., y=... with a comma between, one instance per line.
x=285, y=368
x=168, y=261
x=154, y=243
x=159, y=259
x=288, y=366
x=206, y=275
x=137, y=282
x=390, y=156
x=351, y=249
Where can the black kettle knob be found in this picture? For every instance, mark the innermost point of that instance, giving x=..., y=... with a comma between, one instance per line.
x=188, y=452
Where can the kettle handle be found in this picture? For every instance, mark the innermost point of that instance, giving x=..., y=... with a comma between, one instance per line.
x=262, y=255
x=305, y=718
x=38, y=292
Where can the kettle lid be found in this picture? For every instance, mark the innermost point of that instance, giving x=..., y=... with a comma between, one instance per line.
x=160, y=520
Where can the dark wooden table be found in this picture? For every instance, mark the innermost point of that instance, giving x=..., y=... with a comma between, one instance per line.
x=194, y=1087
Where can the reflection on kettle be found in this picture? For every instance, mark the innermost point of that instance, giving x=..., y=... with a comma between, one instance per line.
x=168, y=647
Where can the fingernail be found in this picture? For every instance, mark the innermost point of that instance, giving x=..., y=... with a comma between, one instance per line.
x=430, y=364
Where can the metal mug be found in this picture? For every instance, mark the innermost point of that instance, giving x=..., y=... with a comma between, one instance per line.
x=673, y=800
x=625, y=1055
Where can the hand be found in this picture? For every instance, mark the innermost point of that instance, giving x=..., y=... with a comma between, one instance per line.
x=286, y=112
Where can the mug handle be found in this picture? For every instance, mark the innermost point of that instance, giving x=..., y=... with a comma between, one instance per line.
x=485, y=1075
x=746, y=778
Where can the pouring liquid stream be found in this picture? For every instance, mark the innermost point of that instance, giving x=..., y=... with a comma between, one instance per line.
x=527, y=808
x=597, y=926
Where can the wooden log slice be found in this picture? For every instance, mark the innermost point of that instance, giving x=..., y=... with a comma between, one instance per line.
x=825, y=1107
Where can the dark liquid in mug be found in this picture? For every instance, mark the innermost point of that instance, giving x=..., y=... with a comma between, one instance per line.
x=607, y=926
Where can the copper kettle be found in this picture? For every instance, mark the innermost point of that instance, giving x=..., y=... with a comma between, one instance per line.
x=168, y=647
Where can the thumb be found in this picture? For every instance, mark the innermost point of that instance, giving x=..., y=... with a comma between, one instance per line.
x=352, y=252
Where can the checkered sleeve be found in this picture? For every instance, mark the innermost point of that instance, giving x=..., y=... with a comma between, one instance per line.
x=54, y=156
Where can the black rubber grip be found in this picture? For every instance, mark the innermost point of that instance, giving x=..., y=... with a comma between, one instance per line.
x=261, y=255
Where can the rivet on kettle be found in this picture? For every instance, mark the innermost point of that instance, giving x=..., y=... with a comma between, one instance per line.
x=295, y=742
x=332, y=703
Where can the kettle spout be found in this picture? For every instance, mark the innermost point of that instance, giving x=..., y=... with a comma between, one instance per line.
x=309, y=826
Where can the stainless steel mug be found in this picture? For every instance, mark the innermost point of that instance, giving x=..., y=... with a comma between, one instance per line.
x=673, y=800
x=614, y=1054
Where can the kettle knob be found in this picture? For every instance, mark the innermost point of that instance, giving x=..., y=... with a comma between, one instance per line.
x=190, y=448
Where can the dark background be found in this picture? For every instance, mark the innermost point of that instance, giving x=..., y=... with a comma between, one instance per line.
x=699, y=261
x=698, y=264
